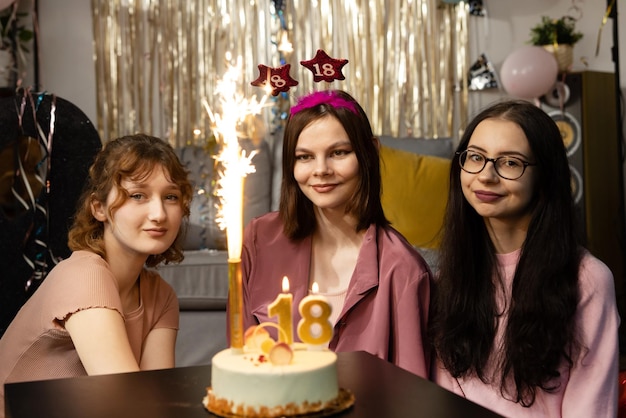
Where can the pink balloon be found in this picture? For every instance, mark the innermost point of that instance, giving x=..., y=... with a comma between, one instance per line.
x=529, y=72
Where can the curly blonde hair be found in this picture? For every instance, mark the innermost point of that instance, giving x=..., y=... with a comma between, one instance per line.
x=132, y=156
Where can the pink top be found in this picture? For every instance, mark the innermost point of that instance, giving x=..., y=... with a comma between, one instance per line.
x=36, y=345
x=386, y=306
x=589, y=389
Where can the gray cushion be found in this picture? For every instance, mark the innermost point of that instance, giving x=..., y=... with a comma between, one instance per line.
x=200, y=281
x=439, y=147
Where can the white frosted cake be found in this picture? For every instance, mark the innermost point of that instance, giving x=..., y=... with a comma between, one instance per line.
x=251, y=385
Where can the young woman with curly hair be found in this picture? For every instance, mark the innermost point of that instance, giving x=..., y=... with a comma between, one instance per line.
x=101, y=310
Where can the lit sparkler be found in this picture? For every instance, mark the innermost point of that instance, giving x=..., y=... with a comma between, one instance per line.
x=236, y=164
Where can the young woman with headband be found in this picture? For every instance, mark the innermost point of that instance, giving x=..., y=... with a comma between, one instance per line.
x=330, y=229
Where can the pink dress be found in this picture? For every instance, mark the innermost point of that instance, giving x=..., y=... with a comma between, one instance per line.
x=589, y=388
x=386, y=307
x=36, y=345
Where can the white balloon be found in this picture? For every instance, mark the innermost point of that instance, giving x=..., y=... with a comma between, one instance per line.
x=529, y=72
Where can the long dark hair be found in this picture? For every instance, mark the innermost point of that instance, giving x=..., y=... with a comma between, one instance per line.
x=540, y=332
x=296, y=210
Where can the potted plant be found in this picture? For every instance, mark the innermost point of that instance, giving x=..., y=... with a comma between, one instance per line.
x=15, y=38
x=557, y=36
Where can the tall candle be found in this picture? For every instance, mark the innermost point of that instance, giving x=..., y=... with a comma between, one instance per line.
x=281, y=307
x=315, y=329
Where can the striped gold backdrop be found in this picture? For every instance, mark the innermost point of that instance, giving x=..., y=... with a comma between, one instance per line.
x=157, y=60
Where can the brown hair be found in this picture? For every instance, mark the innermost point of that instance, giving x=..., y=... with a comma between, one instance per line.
x=296, y=210
x=132, y=156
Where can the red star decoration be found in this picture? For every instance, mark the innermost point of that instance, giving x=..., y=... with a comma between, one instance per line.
x=324, y=67
x=278, y=78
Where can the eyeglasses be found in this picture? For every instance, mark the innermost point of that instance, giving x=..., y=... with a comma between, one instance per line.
x=510, y=168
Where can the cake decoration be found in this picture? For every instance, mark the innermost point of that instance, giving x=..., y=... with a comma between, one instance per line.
x=281, y=307
x=281, y=354
x=315, y=329
x=257, y=338
x=325, y=68
x=278, y=79
x=277, y=379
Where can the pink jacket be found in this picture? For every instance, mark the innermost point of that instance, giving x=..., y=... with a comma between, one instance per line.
x=386, y=307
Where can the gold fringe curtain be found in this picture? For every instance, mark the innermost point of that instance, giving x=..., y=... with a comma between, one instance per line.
x=156, y=60
x=406, y=58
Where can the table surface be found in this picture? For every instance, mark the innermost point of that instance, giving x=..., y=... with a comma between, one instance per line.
x=380, y=388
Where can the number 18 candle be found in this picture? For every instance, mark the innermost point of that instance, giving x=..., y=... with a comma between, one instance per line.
x=281, y=307
x=314, y=329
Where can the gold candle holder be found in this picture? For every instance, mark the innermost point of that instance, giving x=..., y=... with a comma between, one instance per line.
x=235, y=306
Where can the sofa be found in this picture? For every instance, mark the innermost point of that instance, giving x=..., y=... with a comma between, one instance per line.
x=414, y=175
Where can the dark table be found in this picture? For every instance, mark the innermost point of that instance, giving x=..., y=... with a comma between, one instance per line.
x=380, y=388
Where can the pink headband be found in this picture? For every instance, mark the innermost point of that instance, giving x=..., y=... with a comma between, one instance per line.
x=323, y=97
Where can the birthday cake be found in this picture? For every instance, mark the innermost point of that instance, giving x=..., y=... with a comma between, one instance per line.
x=275, y=382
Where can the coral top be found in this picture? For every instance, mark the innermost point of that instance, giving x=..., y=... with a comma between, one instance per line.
x=386, y=306
x=36, y=345
x=589, y=388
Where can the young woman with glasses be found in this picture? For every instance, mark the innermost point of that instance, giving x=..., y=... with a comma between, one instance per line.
x=523, y=318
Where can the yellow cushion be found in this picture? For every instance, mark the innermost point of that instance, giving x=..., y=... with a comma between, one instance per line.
x=414, y=194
